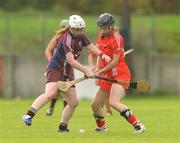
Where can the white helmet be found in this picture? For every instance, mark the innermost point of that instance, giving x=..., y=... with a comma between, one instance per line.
x=76, y=21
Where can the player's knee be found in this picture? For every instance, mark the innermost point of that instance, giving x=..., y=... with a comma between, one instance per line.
x=51, y=95
x=113, y=103
x=73, y=104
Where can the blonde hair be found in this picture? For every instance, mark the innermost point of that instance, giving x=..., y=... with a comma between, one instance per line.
x=115, y=28
x=61, y=31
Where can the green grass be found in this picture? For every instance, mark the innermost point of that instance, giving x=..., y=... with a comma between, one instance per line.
x=160, y=114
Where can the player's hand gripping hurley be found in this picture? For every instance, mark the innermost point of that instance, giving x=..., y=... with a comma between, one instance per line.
x=140, y=85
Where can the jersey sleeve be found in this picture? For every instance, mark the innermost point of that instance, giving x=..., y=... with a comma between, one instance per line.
x=85, y=40
x=118, y=44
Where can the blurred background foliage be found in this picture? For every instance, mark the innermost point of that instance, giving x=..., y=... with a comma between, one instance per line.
x=26, y=26
x=91, y=6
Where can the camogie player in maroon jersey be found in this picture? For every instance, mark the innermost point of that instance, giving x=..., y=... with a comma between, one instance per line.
x=49, y=51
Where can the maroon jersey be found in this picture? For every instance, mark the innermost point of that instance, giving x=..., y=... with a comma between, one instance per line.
x=67, y=43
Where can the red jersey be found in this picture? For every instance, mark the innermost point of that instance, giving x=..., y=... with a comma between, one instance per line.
x=109, y=45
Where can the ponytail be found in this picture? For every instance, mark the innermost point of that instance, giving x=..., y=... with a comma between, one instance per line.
x=61, y=31
x=114, y=28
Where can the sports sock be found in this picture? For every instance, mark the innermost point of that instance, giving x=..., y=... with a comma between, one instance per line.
x=31, y=112
x=129, y=116
x=100, y=122
x=63, y=126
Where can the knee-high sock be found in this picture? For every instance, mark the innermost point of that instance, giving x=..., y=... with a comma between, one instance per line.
x=129, y=116
x=100, y=122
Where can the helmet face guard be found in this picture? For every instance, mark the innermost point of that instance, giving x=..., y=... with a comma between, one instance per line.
x=76, y=21
x=105, y=19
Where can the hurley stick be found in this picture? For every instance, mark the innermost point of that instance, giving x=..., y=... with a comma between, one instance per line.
x=140, y=85
x=65, y=85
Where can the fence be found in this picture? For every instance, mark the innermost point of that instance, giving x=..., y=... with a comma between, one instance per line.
x=24, y=75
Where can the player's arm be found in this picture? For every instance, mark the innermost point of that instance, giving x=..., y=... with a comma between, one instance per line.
x=49, y=49
x=90, y=59
x=96, y=72
x=111, y=64
x=98, y=63
x=75, y=64
x=94, y=49
x=116, y=47
x=98, y=52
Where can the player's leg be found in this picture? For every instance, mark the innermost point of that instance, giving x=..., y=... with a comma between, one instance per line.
x=51, y=107
x=50, y=110
x=98, y=113
x=72, y=102
x=51, y=91
x=116, y=94
x=108, y=107
x=62, y=94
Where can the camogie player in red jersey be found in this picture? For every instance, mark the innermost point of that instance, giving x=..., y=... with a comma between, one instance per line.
x=111, y=43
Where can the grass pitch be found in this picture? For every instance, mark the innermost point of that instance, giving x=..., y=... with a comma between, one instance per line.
x=160, y=114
